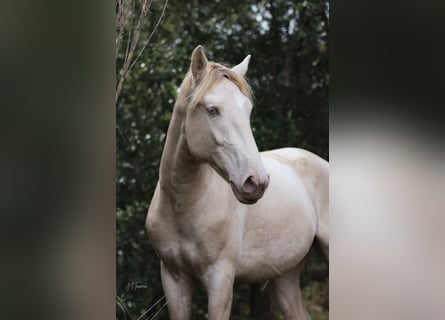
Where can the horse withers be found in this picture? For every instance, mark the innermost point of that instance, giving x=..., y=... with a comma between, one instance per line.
x=222, y=211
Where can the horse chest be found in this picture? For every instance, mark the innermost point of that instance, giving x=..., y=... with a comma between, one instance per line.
x=194, y=239
x=186, y=255
x=184, y=246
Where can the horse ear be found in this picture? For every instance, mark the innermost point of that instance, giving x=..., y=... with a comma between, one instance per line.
x=241, y=69
x=199, y=62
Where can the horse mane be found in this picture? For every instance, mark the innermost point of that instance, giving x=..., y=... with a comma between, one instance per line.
x=192, y=92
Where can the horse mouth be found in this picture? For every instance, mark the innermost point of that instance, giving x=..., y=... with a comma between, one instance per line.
x=245, y=198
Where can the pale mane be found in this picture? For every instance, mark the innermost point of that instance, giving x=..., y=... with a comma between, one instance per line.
x=191, y=94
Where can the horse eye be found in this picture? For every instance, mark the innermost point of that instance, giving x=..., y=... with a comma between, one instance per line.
x=212, y=110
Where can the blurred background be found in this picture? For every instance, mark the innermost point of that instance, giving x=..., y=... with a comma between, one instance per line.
x=289, y=75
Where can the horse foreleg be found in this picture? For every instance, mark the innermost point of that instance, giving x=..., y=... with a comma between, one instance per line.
x=219, y=285
x=178, y=291
x=286, y=290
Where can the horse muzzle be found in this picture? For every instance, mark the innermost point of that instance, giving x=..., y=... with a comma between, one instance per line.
x=251, y=190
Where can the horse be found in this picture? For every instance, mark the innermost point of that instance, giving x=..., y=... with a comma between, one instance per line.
x=222, y=211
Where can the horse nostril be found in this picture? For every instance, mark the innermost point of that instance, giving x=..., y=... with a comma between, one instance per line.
x=250, y=185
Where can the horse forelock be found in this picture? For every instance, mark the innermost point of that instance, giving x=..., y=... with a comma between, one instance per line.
x=191, y=93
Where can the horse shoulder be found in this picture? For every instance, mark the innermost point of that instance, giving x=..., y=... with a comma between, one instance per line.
x=152, y=218
x=162, y=231
x=158, y=223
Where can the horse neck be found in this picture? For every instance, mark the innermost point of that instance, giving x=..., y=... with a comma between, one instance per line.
x=180, y=175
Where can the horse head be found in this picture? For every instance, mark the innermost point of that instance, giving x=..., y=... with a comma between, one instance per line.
x=217, y=125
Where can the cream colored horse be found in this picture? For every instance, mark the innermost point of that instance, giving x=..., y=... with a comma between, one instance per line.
x=215, y=215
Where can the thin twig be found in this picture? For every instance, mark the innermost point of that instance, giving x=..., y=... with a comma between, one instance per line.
x=134, y=41
x=121, y=18
x=154, y=305
x=163, y=306
x=130, y=30
x=151, y=35
x=124, y=14
x=123, y=307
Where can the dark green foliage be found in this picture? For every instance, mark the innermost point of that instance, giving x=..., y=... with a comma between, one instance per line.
x=289, y=76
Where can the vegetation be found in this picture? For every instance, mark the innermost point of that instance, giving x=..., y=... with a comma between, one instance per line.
x=289, y=76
